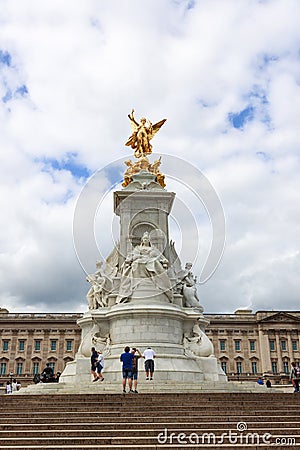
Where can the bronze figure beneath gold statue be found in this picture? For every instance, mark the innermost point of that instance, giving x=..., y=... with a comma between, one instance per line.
x=142, y=133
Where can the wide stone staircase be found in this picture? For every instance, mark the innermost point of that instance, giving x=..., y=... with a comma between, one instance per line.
x=150, y=421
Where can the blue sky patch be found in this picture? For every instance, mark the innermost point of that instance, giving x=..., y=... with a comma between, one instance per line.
x=7, y=96
x=20, y=91
x=5, y=58
x=239, y=119
x=114, y=173
x=68, y=163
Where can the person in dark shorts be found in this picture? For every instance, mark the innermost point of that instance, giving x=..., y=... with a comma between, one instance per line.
x=100, y=365
x=295, y=377
x=126, y=358
x=149, y=356
x=94, y=364
x=135, y=367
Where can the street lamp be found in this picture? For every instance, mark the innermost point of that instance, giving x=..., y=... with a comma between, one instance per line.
x=11, y=377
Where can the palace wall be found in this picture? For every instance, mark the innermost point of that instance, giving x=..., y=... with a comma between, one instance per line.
x=246, y=344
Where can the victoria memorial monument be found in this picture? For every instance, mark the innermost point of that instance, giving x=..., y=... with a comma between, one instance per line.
x=142, y=295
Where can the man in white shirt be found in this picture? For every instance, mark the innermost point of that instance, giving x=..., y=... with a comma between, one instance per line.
x=149, y=356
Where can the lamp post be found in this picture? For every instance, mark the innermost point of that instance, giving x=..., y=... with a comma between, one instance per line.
x=11, y=377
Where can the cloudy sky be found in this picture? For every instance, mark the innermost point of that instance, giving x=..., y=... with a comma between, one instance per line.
x=225, y=74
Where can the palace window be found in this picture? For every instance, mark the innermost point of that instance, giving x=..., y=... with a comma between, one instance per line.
x=254, y=366
x=19, y=368
x=224, y=366
x=295, y=345
x=286, y=367
x=237, y=345
x=222, y=346
x=252, y=346
x=37, y=345
x=283, y=346
x=5, y=346
x=239, y=367
x=274, y=367
x=272, y=345
x=69, y=346
x=35, y=368
x=21, y=346
x=53, y=345
x=3, y=368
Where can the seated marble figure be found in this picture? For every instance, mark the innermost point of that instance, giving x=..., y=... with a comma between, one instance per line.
x=145, y=263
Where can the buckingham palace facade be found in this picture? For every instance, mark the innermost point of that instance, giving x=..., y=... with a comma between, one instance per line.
x=247, y=344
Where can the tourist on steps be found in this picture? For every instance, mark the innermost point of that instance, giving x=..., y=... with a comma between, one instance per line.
x=126, y=358
x=149, y=356
x=95, y=365
x=135, y=367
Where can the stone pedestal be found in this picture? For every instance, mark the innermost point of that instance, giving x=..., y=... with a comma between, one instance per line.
x=161, y=326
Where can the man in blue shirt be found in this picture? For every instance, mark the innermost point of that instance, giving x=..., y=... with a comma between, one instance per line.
x=126, y=358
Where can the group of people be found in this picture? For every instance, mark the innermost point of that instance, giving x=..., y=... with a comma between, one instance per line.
x=294, y=377
x=12, y=386
x=47, y=375
x=260, y=381
x=130, y=370
x=129, y=360
x=97, y=364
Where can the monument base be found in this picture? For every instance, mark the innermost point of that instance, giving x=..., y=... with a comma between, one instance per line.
x=166, y=327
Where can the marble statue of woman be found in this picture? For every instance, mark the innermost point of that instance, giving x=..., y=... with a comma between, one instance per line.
x=189, y=289
x=101, y=286
x=144, y=262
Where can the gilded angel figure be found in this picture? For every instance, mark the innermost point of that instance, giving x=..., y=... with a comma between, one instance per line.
x=142, y=133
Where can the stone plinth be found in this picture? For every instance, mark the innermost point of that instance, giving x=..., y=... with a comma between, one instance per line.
x=161, y=326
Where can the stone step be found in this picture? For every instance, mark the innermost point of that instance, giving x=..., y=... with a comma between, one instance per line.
x=153, y=447
x=142, y=442
x=134, y=409
x=145, y=425
x=116, y=421
x=118, y=394
x=147, y=387
x=128, y=432
x=97, y=413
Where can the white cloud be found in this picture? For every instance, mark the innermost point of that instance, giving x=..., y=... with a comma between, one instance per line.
x=84, y=66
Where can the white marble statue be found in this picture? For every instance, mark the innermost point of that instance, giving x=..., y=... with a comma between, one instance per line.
x=189, y=289
x=101, y=286
x=102, y=343
x=144, y=262
x=197, y=343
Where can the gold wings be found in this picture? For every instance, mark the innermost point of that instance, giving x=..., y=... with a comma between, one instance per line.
x=150, y=129
x=156, y=127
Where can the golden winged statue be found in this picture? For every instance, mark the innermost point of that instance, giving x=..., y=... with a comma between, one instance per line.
x=142, y=133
